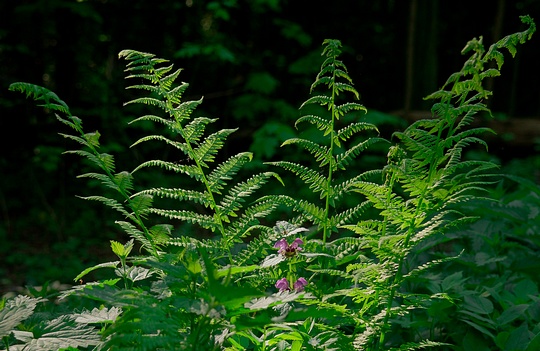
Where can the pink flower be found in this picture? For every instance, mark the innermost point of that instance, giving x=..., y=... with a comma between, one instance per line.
x=282, y=284
x=289, y=250
x=298, y=286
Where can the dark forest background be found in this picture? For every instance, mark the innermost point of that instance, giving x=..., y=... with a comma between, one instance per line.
x=253, y=61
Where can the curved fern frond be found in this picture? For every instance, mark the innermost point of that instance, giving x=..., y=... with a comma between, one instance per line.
x=195, y=196
x=231, y=202
x=112, y=203
x=314, y=179
x=50, y=100
x=190, y=170
x=343, y=160
x=223, y=198
x=205, y=152
x=205, y=221
x=320, y=152
x=355, y=128
x=218, y=178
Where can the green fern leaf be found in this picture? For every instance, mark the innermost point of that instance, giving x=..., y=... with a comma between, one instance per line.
x=141, y=203
x=230, y=204
x=218, y=178
x=195, y=196
x=321, y=123
x=50, y=100
x=314, y=179
x=190, y=170
x=205, y=221
x=112, y=203
x=321, y=100
x=137, y=235
x=320, y=152
x=206, y=151
x=342, y=160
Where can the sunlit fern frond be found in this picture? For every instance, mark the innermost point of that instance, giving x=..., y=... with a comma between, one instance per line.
x=121, y=183
x=216, y=187
x=336, y=148
x=50, y=100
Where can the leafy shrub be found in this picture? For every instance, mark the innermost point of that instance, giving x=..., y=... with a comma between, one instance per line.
x=356, y=266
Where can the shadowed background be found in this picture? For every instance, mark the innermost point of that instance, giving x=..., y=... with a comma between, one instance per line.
x=253, y=61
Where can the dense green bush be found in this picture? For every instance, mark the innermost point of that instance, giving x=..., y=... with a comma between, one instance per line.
x=403, y=256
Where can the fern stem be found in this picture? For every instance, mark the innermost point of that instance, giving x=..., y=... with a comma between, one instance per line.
x=326, y=229
x=216, y=208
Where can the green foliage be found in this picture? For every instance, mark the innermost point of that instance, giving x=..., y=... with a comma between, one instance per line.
x=329, y=149
x=379, y=284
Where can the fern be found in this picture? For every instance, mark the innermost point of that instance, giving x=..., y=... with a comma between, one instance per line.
x=218, y=192
x=131, y=207
x=426, y=177
x=333, y=156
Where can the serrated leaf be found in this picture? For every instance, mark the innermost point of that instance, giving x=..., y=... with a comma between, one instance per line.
x=63, y=332
x=272, y=260
x=113, y=264
x=15, y=311
x=139, y=273
x=98, y=316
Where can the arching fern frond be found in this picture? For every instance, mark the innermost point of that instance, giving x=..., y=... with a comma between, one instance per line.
x=50, y=100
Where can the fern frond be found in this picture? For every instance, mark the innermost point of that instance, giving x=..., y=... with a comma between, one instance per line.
x=314, y=179
x=195, y=129
x=112, y=203
x=257, y=248
x=230, y=203
x=154, y=118
x=321, y=123
x=205, y=152
x=103, y=178
x=247, y=223
x=190, y=170
x=351, y=214
x=224, y=172
x=174, y=95
x=424, y=344
x=320, y=152
x=344, y=159
x=195, y=196
x=81, y=140
x=178, y=145
x=321, y=100
x=183, y=111
x=137, y=234
x=355, y=128
x=150, y=101
x=204, y=221
x=50, y=100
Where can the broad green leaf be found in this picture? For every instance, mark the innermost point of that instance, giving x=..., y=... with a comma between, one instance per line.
x=512, y=313
x=478, y=304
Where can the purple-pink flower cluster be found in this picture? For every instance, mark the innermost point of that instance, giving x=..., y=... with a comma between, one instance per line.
x=289, y=250
x=298, y=286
